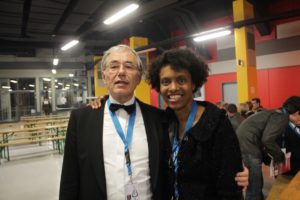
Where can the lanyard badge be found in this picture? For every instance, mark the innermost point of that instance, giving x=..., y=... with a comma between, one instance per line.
x=131, y=189
x=177, y=143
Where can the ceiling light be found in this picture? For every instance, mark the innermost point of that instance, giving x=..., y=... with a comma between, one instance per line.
x=31, y=85
x=13, y=81
x=146, y=51
x=206, y=35
x=55, y=61
x=122, y=13
x=6, y=87
x=69, y=45
x=71, y=75
x=47, y=79
x=76, y=84
x=60, y=83
x=53, y=71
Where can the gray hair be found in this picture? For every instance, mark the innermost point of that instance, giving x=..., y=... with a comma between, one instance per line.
x=122, y=48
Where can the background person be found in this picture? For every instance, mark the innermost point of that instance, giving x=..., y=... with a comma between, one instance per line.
x=257, y=136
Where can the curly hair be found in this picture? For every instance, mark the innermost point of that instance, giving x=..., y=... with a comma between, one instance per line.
x=179, y=59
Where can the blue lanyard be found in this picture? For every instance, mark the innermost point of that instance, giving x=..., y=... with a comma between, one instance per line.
x=177, y=143
x=126, y=140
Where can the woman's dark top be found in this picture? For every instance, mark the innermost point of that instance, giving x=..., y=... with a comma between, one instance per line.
x=209, y=157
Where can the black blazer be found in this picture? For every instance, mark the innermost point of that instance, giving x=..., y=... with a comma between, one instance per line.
x=83, y=175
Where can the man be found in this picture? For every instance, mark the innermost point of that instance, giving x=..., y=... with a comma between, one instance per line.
x=256, y=106
x=234, y=116
x=257, y=135
x=112, y=154
x=290, y=139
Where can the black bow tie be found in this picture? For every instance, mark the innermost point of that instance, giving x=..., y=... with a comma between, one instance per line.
x=129, y=109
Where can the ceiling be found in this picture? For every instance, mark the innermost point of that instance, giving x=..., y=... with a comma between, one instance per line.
x=27, y=25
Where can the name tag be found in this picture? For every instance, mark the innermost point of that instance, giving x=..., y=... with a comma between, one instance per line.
x=132, y=192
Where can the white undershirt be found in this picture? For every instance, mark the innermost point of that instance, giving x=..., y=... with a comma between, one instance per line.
x=114, y=160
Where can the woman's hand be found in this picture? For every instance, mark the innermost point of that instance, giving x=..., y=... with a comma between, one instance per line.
x=95, y=104
x=242, y=178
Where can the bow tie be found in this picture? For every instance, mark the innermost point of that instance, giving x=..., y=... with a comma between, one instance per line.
x=129, y=109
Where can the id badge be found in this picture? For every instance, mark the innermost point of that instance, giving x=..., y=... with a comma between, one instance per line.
x=132, y=192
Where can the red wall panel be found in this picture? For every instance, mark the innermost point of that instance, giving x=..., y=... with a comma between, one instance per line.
x=213, y=86
x=274, y=85
x=284, y=82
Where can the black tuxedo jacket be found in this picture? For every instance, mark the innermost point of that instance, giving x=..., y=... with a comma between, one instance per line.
x=83, y=175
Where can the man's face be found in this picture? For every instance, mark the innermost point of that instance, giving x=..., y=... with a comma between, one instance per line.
x=255, y=105
x=295, y=118
x=121, y=75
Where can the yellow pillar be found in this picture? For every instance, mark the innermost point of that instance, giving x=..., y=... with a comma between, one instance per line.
x=245, y=52
x=100, y=89
x=142, y=91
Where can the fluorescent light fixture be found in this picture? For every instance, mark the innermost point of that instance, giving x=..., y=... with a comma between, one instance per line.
x=56, y=86
x=67, y=85
x=53, y=71
x=9, y=90
x=13, y=81
x=47, y=79
x=55, y=61
x=6, y=87
x=76, y=84
x=122, y=13
x=146, y=51
x=71, y=75
x=207, y=35
x=69, y=45
x=31, y=85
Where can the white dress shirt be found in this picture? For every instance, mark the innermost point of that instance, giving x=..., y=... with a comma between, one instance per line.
x=116, y=173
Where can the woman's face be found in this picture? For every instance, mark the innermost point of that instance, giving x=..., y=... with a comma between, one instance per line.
x=176, y=87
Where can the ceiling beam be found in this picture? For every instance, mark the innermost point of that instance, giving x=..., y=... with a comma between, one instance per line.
x=26, y=13
x=64, y=16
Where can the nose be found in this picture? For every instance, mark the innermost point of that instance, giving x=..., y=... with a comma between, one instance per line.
x=122, y=69
x=173, y=85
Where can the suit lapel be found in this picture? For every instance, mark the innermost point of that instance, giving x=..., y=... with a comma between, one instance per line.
x=96, y=147
x=153, y=144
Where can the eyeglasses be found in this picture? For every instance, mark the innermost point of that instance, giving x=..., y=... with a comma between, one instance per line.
x=115, y=66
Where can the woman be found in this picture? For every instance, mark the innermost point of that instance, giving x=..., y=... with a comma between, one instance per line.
x=205, y=150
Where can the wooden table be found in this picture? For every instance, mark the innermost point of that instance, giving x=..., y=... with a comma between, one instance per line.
x=292, y=191
x=285, y=188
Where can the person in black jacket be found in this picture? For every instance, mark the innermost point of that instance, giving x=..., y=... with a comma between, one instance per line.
x=205, y=150
x=113, y=153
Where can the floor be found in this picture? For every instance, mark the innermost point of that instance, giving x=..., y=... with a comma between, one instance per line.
x=34, y=174
x=31, y=174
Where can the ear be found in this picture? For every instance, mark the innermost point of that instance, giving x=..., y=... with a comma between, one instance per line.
x=193, y=87
x=103, y=76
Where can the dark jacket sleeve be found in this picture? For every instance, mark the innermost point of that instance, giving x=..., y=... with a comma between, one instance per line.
x=229, y=162
x=69, y=185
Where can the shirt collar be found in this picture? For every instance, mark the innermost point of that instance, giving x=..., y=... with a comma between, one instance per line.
x=131, y=101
